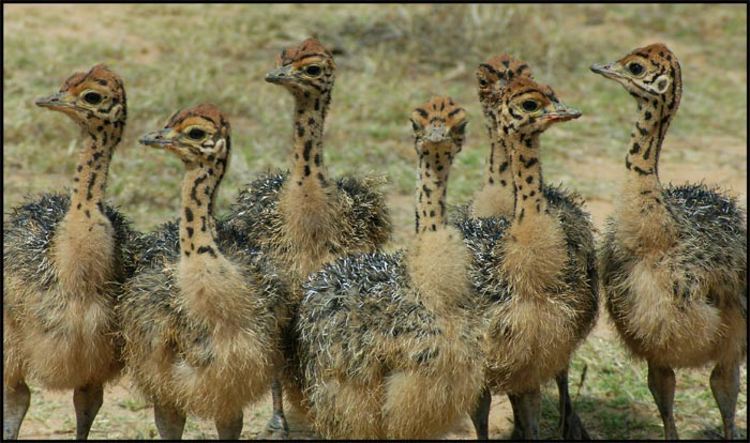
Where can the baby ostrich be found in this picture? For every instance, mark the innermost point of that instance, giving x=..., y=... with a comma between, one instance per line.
x=534, y=272
x=305, y=219
x=387, y=346
x=63, y=260
x=200, y=319
x=496, y=199
x=673, y=261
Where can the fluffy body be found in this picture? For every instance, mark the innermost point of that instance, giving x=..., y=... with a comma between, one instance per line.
x=64, y=259
x=386, y=345
x=685, y=305
x=381, y=359
x=302, y=234
x=674, y=259
x=303, y=219
x=202, y=337
x=61, y=286
x=531, y=330
x=204, y=312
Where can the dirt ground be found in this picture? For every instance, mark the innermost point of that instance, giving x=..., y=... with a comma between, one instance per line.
x=51, y=416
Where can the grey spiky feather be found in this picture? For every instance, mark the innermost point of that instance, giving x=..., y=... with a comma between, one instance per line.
x=255, y=212
x=712, y=245
x=30, y=228
x=484, y=237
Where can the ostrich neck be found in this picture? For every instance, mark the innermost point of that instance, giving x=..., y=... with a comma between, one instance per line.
x=646, y=225
x=642, y=159
x=535, y=250
x=197, y=225
x=309, y=119
x=529, y=202
x=498, y=173
x=432, y=185
x=90, y=180
x=437, y=259
x=213, y=290
x=495, y=196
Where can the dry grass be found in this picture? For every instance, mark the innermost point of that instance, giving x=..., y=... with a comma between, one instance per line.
x=390, y=58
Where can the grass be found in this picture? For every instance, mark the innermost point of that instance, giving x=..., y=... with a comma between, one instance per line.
x=390, y=59
x=614, y=401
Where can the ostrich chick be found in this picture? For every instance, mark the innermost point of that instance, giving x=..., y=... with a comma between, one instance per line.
x=387, y=345
x=202, y=322
x=306, y=218
x=674, y=258
x=64, y=258
x=496, y=198
x=532, y=271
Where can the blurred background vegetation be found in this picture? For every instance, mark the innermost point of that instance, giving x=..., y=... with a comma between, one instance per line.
x=390, y=59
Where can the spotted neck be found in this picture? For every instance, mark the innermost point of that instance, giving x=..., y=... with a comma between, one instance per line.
x=90, y=181
x=527, y=178
x=309, y=119
x=498, y=172
x=495, y=196
x=535, y=251
x=440, y=284
x=197, y=225
x=646, y=226
x=642, y=159
x=432, y=185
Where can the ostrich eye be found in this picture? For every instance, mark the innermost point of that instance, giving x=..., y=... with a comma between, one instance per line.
x=92, y=98
x=313, y=70
x=530, y=106
x=196, y=133
x=635, y=68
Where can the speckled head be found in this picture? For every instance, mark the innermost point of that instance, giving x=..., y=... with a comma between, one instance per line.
x=528, y=107
x=651, y=74
x=198, y=135
x=306, y=68
x=494, y=74
x=91, y=99
x=438, y=123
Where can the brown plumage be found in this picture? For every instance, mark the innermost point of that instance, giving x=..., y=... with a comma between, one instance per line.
x=305, y=219
x=496, y=199
x=388, y=347
x=533, y=273
x=64, y=258
x=674, y=258
x=203, y=314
